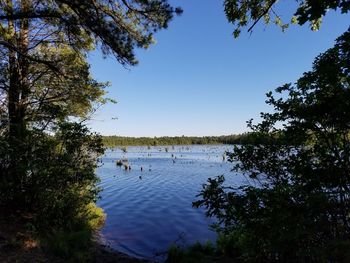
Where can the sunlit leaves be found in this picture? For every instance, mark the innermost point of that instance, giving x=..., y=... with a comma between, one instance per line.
x=248, y=13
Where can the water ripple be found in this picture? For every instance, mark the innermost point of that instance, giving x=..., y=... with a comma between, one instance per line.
x=148, y=210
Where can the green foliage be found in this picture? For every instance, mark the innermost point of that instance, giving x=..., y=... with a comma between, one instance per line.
x=117, y=26
x=196, y=253
x=63, y=162
x=297, y=205
x=245, y=138
x=59, y=189
x=47, y=161
x=94, y=216
x=249, y=12
x=74, y=244
x=225, y=249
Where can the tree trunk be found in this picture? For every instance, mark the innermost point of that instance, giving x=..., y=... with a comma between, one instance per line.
x=23, y=67
x=19, y=90
x=13, y=92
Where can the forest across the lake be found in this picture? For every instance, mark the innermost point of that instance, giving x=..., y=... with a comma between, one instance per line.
x=244, y=138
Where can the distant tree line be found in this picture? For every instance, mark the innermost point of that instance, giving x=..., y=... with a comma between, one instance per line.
x=244, y=138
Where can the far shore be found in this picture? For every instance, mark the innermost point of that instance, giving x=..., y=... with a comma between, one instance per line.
x=120, y=141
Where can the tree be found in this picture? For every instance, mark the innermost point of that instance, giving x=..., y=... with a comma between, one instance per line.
x=47, y=157
x=242, y=13
x=41, y=40
x=297, y=205
x=44, y=73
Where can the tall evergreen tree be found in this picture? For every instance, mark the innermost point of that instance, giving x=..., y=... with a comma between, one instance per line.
x=44, y=74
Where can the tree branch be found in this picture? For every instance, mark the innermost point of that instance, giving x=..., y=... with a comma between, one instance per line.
x=262, y=15
x=49, y=64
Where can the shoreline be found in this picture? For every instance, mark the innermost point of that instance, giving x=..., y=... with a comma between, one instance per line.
x=18, y=246
x=103, y=252
x=106, y=254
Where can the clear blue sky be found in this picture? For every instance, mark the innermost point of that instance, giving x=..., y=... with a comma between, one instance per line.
x=198, y=80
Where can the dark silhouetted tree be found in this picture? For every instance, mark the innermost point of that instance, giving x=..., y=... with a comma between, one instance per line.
x=297, y=207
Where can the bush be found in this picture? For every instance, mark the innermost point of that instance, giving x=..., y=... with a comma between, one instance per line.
x=58, y=187
x=75, y=243
x=201, y=253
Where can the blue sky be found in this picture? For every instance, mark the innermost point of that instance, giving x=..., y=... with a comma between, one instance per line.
x=198, y=80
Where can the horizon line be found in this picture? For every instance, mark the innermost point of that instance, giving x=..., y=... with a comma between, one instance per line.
x=173, y=136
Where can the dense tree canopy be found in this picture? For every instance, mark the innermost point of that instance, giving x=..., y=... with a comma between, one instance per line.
x=118, y=26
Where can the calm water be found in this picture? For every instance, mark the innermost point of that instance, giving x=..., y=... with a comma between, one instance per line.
x=150, y=209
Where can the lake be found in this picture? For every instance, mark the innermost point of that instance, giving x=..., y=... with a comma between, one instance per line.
x=149, y=210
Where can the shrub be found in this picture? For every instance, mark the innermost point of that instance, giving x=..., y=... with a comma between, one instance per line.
x=59, y=187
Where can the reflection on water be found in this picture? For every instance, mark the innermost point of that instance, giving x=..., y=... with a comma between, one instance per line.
x=149, y=209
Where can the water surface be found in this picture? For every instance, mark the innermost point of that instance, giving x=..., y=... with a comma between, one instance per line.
x=149, y=210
